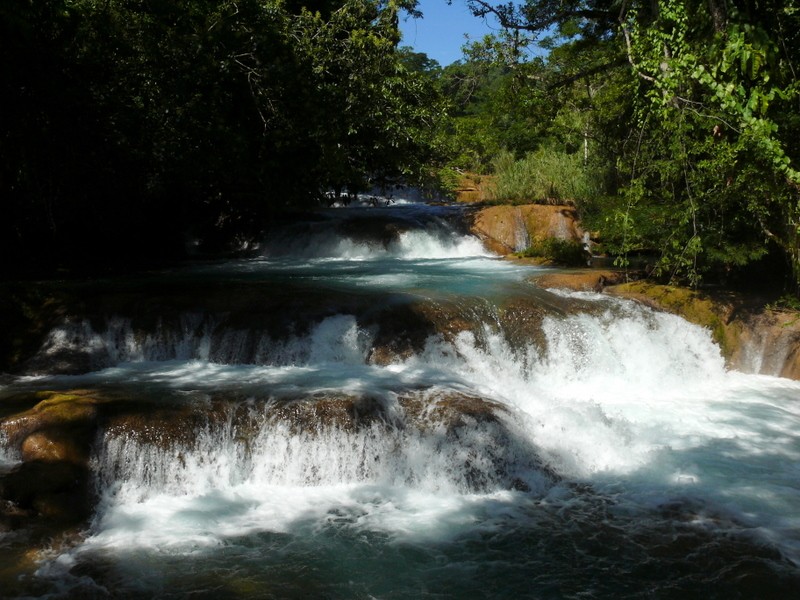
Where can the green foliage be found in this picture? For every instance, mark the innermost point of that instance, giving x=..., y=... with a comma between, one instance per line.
x=704, y=112
x=448, y=180
x=543, y=177
x=124, y=120
x=787, y=302
x=687, y=114
x=492, y=108
x=563, y=252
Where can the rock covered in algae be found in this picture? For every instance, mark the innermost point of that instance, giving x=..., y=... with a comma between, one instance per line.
x=582, y=280
x=53, y=439
x=56, y=414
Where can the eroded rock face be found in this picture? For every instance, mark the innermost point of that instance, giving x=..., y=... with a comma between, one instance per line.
x=584, y=280
x=53, y=439
x=506, y=229
x=769, y=343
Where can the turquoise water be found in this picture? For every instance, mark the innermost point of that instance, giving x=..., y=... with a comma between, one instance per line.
x=612, y=457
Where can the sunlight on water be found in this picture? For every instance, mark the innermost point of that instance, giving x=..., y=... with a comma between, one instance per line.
x=297, y=466
x=636, y=401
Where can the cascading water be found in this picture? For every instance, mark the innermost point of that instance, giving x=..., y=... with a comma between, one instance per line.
x=302, y=439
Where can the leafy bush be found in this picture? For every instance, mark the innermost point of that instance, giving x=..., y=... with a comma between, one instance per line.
x=448, y=180
x=564, y=252
x=544, y=176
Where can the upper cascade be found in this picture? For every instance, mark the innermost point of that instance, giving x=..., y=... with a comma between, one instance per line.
x=407, y=230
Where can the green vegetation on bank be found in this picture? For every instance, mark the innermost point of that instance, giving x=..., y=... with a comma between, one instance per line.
x=673, y=126
x=139, y=128
x=546, y=176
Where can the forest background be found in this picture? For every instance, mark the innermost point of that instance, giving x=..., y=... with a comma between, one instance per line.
x=137, y=130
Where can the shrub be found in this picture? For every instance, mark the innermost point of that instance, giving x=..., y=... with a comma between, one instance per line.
x=564, y=252
x=544, y=176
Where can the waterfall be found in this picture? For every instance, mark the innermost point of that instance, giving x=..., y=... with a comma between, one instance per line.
x=400, y=415
x=522, y=239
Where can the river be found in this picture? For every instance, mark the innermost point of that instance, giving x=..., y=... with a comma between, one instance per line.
x=399, y=415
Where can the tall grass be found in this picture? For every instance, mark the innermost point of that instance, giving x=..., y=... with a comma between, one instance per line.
x=544, y=176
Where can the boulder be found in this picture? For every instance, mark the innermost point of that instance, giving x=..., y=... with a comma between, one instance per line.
x=506, y=229
x=453, y=410
x=583, y=280
x=54, y=490
x=59, y=413
x=53, y=439
x=54, y=446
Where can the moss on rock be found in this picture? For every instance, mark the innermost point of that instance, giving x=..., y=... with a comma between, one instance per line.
x=583, y=280
x=751, y=337
x=713, y=314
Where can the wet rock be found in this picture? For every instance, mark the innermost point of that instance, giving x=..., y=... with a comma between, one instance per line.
x=325, y=412
x=54, y=446
x=583, y=280
x=53, y=490
x=418, y=411
x=71, y=414
x=769, y=343
x=452, y=410
x=173, y=424
x=401, y=331
x=491, y=452
x=506, y=229
x=53, y=439
x=521, y=322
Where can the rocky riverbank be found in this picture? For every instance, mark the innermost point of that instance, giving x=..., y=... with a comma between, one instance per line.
x=751, y=337
x=506, y=229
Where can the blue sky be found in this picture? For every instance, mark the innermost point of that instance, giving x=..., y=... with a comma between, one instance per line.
x=440, y=32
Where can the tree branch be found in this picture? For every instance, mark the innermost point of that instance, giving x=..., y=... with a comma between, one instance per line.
x=509, y=18
x=629, y=51
x=587, y=73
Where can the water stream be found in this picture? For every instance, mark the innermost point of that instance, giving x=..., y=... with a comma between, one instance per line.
x=300, y=439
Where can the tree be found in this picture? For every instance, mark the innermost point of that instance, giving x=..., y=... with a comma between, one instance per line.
x=707, y=162
x=126, y=120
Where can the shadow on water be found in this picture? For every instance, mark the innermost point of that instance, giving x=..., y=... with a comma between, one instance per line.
x=565, y=539
x=395, y=416
x=522, y=548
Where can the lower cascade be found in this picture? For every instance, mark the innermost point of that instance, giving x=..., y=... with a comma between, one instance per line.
x=389, y=415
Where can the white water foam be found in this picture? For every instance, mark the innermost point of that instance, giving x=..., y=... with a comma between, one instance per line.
x=640, y=406
x=409, y=245
x=435, y=245
x=635, y=403
x=631, y=404
x=200, y=338
x=119, y=342
x=8, y=456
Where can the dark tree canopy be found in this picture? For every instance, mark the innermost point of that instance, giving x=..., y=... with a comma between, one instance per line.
x=130, y=126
